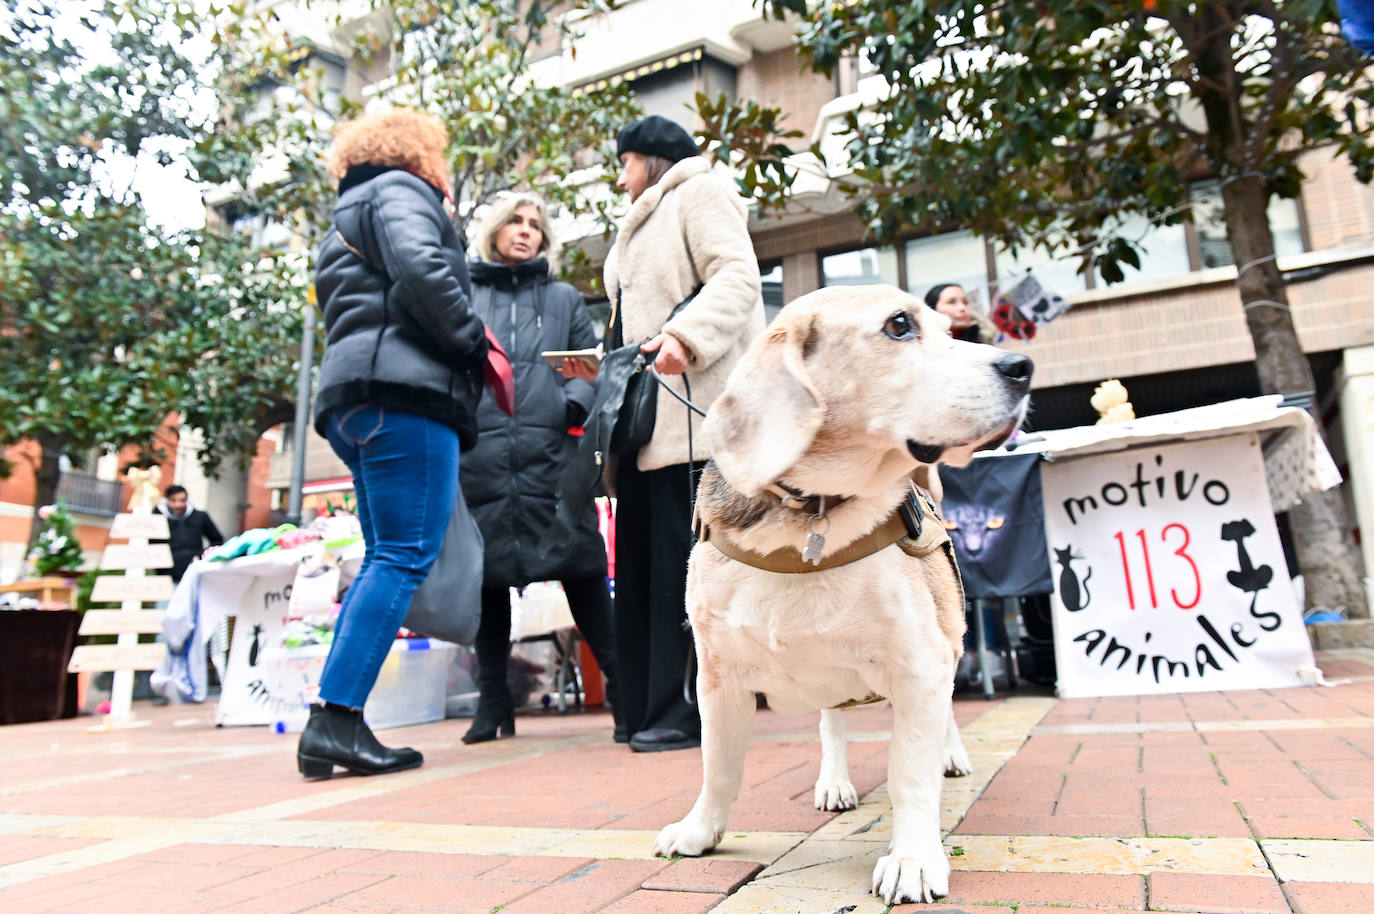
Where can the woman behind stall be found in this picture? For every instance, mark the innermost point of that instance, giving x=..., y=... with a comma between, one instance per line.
x=686, y=228
x=398, y=391
x=510, y=479
x=965, y=324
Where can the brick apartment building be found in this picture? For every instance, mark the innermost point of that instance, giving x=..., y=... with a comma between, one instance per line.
x=1173, y=332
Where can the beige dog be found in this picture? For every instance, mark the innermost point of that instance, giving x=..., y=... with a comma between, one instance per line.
x=824, y=424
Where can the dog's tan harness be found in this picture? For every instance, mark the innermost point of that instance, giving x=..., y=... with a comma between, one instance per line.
x=915, y=527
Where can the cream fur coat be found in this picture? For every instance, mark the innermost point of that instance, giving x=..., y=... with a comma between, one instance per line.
x=689, y=228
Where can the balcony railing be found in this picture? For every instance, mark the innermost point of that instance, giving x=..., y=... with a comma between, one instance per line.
x=90, y=494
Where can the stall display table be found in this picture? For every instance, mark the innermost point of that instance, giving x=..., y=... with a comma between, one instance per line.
x=51, y=592
x=256, y=591
x=1169, y=575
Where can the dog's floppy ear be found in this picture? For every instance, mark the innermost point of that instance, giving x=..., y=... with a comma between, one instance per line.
x=769, y=413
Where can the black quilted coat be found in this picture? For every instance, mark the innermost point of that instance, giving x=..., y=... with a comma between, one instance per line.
x=510, y=479
x=399, y=326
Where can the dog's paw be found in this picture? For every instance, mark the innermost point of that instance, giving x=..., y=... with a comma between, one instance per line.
x=957, y=763
x=688, y=838
x=836, y=795
x=921, y=878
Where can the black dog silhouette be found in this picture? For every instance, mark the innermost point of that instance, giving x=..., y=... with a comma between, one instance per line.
x=1248, y=577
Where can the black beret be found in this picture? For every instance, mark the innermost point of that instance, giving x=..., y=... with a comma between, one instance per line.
x=656, y=136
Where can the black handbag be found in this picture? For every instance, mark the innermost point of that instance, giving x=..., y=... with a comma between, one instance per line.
x=620, y=423
x=634, y=424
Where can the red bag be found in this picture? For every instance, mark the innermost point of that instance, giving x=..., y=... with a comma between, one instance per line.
x=499, y=375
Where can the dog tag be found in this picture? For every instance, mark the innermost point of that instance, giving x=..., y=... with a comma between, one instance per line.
x=815, y=545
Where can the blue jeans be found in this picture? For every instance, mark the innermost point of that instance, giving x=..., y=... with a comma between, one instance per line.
x=405, y=474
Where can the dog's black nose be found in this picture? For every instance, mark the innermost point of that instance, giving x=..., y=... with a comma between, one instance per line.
x=1016, y=368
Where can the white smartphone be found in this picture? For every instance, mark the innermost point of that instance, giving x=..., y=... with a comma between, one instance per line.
x=555, y=357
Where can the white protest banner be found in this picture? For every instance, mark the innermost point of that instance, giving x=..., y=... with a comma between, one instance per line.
x=1169, y=574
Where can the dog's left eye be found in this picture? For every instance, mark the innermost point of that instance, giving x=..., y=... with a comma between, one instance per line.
x=900, y=326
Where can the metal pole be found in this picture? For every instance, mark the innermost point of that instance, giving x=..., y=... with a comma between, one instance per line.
x=298, y=431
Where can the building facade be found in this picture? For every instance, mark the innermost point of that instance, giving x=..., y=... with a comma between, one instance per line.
x=1173, y=332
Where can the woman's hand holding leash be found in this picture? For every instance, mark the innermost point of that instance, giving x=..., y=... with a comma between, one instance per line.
x=673, y=357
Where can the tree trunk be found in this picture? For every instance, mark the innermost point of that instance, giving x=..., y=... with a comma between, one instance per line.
x=1321, y=525
x=1330, y=563
x=46, y=476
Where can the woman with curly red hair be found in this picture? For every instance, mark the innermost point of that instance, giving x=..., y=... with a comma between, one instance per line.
x=398, y=391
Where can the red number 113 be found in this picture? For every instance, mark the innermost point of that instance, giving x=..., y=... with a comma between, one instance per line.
x=1181, y=552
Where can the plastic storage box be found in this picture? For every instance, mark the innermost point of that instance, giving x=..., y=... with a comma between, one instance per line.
x=410, y=688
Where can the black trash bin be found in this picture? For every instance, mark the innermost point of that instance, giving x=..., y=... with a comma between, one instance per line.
x=35, y=648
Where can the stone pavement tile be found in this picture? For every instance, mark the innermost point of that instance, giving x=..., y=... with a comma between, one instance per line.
x=464, y=896
x=1216, y=790
x=1165, y=758
x=1039, y=787
x=51, y=894
x=1055, y=909
x=141, y=901
x=1046, y=888
x=1099, y=799
x=1319, y=807
x=1252, y=771
x=653, y=902
x=1109, y=856
x=719, y=877
x=167, y=875
x=1070, y=825
x=1108, y=757
x=1197, y=817
x=317, y=891
x=1321, y=746
x=14, y=848
x=1050, y=749
x=540, y=870
x=1330, y=897
x=1307, y=827
x=1296, y=860
x=756, y=899
x=417, y=863
x=1012, y=807
x=1214, y=894
x=589, y=889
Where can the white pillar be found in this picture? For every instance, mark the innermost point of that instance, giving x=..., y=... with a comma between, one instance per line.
x=1355, y=387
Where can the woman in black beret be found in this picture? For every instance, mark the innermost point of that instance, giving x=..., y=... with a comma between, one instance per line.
x=686, y=230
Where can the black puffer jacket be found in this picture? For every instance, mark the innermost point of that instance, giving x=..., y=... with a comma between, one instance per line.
x=510, y=479
x=399, y=326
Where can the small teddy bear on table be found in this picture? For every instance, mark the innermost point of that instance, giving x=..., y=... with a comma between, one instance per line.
x=1111, y=402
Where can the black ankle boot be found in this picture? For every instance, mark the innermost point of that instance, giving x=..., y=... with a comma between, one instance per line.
x=491, y=716
x=337, y=735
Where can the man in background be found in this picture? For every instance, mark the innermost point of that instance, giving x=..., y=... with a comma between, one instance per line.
x=189, y=530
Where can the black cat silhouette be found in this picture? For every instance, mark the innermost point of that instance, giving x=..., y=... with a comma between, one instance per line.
x=1069, y=585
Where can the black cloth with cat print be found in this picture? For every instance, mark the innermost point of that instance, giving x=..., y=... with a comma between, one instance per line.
x=995, y=513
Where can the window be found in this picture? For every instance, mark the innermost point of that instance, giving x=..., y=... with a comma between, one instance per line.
x=1163, y=250
x=772, y=291
x=1213, y=248
x=957, y=257
x=863, y=267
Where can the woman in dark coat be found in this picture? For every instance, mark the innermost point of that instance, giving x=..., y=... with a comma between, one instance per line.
x=510, y=480
x=398, y=391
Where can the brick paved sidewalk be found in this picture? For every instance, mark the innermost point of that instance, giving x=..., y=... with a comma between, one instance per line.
x=1219, y=802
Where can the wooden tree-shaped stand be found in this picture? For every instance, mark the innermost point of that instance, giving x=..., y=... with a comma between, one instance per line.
x=131, y=590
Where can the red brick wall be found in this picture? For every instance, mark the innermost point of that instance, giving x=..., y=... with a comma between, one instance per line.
x=257, y=498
